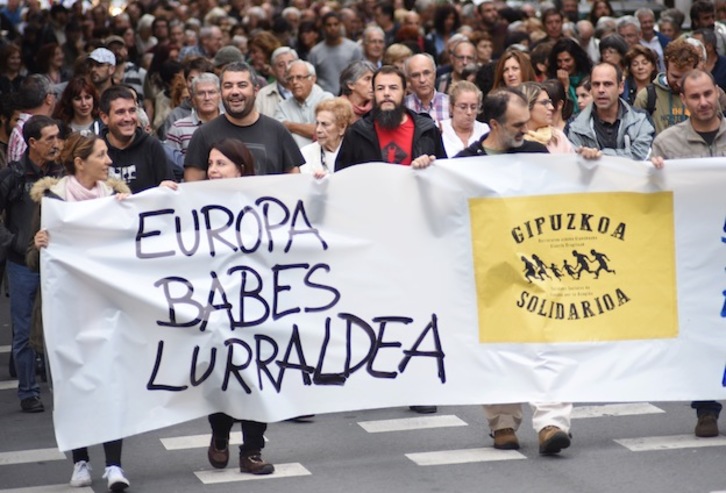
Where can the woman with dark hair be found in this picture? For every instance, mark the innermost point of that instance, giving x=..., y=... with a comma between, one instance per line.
x=356, y=85
x=446, y=23
x=307, y=37
x=613, y=48
x=568, y=63
x=153, y=84
x=78, y=107
x=540, y=127
x=512, y=69
x=11, y=68
x=600, y=8
x=563, y=106
x=642, y=65
x=86, y=160
x=230, y=158
x=50, y=61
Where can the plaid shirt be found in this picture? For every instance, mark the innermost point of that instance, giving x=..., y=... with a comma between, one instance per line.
x=438, y=109
x=16, y=143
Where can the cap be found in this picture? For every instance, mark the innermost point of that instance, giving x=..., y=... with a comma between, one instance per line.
x=227, y=54
x=103, y=55
x=114, y=39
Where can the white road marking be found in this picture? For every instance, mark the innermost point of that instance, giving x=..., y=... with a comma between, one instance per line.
x=198, y=441
x=644, y=444
x=407, y=424
x=5, y=349
x=51, y=488
x=8, y=384
x=626, y=409
x=29, y=456
x=232, y=474
x=464, y=456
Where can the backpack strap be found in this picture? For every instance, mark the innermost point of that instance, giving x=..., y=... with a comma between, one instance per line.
x=650, y=103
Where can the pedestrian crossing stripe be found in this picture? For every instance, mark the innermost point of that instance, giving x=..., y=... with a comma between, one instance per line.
x=627, y=409
x=4, y=349
x=463, y=456
x=8, y=384
x=198, y=441
x=673, y=442
x=29, y=456
x=407, y=424
x=51, y=488
x=230, y=475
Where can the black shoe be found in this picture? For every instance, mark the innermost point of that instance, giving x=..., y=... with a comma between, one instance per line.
x=424, y=409
x=32, y=405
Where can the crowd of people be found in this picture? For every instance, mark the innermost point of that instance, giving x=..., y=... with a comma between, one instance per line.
x=98, y=101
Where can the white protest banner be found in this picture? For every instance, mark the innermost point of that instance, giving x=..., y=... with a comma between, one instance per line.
x=498, y=279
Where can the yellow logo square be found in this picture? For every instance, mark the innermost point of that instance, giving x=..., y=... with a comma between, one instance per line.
x=575, y=268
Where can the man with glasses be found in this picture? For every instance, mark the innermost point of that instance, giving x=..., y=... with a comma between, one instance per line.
x=297, y=113
x=205, y=107
x=424, y=98
x=462, y=54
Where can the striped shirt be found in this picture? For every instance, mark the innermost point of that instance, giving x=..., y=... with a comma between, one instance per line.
x=181, y=131
x=16, y=143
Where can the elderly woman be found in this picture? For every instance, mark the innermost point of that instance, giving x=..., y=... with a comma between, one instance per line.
x=396, y=55
x=462, y=129
x=541, y=114
x=356, y=85
x=512, y=69
x=332, y=119
x=86, y=160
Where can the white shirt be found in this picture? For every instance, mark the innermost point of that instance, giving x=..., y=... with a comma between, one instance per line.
x=452, y=142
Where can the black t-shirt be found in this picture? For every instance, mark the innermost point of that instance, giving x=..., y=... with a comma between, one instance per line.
x=709, y=137
x=271, y=144
x=607, y=133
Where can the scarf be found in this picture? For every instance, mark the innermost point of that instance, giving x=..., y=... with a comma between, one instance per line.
x=542, y=135
x=361, y=110
x=75, y=192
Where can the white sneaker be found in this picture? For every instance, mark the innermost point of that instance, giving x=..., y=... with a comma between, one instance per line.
x=81, y=474
x=116, y=479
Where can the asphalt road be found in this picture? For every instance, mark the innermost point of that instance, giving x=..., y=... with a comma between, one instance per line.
x=641, y=447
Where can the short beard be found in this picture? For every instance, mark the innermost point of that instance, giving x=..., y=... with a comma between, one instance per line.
x=388, y=119
x=239, y=115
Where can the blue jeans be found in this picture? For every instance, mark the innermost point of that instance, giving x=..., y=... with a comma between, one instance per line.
x=23, y=287
x=706, y=407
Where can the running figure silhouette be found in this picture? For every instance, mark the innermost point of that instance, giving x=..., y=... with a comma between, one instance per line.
x=583, y=263
x=602, y=261
x=529, y=270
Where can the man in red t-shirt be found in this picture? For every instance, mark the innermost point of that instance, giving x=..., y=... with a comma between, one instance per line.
x=390, y=132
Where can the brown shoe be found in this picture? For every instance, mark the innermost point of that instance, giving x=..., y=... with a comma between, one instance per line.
x=552, y=440
x=218, y=458
x=707, y=426
x=252, y=463
x=505, y=439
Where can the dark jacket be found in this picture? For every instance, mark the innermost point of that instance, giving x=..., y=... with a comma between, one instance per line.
x=142, y=165
x=360, y=144
x=477, y=149
x=15, y=183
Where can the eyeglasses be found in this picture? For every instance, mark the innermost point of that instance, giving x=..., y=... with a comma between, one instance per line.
x=298, y=78
x=545, y=102
x=464, y=107
x=206, y=94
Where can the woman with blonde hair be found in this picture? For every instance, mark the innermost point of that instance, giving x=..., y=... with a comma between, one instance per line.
x=332, y=119
x=462, y=129
x=85, y=158
x=513, y=68
x=396, y=55
x=541, y=115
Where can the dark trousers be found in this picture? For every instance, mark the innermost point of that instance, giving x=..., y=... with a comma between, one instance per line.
x=111, y=449
x=252, y=431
